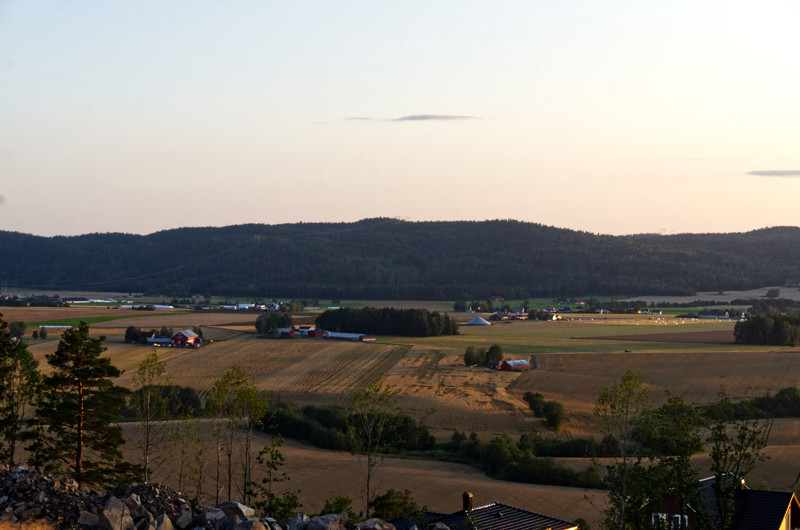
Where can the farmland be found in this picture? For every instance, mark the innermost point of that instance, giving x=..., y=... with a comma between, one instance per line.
x=575, y=360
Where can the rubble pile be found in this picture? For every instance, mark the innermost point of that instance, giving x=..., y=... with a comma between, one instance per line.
x=27, y=495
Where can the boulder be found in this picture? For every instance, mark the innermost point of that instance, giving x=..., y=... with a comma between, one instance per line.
x=116, y=515
x=331, y=521
x=234, y=508
x=250, y=525
x=375, y=524
x=297, y=522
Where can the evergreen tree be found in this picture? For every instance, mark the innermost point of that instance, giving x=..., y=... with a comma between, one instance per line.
x=77, y=412
x=19, y=383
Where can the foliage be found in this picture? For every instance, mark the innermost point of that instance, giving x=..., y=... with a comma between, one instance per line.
x=272, y=504
x=618, y=411
x=390, y=259
x=341, y=504
x=388, y=321
x=150, y=407
x=43, y=333
x=20, y=383
x=17, y=327
x=394, y=504
x=494, y=354
x=178, y=401
x=736, y=446
x=551, y=412
x=77, y=412
x=473, y=357
x=774, y=329
x=269, y=321
x=369, y=421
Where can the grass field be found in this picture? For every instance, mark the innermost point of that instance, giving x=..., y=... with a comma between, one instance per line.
x=575, y=361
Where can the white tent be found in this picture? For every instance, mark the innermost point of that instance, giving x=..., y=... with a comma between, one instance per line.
x=478, y=321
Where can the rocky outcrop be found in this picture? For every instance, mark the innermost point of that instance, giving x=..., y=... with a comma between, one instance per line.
x=26, y=494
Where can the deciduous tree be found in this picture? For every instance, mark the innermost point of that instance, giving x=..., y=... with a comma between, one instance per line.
x=369, y=420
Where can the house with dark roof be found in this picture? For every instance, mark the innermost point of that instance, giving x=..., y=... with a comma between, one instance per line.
x=493, y=516
x=752, y=509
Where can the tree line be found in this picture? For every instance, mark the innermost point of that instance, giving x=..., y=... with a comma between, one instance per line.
x=389, y=259
x=387, y=321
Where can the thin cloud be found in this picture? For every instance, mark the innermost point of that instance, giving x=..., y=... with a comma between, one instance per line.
x=434, y=117
x=416, y=117
x=776, y=173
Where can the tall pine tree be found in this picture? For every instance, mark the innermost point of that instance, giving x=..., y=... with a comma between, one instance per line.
x=77, y=411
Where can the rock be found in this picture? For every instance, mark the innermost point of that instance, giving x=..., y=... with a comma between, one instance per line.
x=229, y=522
x=185, y=518
x=212, y=515
x=331, y=521
x=116, y=515
x=162, y=522
x=375, y=524
x=298, y=522
x=88, y=519
x=250, y=525
x=234, y=508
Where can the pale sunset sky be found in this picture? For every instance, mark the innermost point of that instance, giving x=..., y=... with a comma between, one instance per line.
x=610, y=116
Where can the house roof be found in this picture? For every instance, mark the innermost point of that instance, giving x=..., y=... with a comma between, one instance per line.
x=494, y=516
x=756, y=509
x=188, y=333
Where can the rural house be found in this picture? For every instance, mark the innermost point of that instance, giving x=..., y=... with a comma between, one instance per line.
x=494, y=516
x=752, y=509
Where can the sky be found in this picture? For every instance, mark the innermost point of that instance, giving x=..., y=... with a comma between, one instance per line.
x=612, y=117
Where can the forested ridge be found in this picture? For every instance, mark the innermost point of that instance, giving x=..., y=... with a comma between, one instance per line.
x=393, y=259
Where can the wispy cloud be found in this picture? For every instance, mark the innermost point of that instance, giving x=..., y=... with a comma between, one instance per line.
x=776, y=173
x=417, y=117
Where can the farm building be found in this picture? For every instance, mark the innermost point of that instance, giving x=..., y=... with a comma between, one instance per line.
x=159, y=343
x=514, y=366
x=500, y=317
x=713, y=313
x=334, y=335
x=285, y=333
x=186, y=338
x=316, y=333
x=478, y=321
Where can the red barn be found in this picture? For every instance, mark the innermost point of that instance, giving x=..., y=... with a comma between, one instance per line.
x=185, y=337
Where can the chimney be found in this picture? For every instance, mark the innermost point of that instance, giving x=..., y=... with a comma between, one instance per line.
x=467, y=498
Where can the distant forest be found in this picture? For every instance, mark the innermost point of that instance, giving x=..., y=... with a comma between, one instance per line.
x=383, y=258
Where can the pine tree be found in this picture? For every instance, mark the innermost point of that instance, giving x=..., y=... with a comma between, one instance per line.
x=19, y=383
x=77, y=412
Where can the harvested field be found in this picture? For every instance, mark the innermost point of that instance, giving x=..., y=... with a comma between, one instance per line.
x=688, y=337
x=319, y=474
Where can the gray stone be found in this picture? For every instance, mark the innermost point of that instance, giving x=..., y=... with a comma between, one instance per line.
x=212, y=515
x=298, y=522
x=229, y=522
x=250, y=525
x=375, y=524
x=185, y=518
x=234, y=508
x=331, y=521
x=116, y=516
x=88, y=519
x=163, y=522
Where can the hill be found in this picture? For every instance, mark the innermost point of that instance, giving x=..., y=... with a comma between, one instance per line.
x=393, y=259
